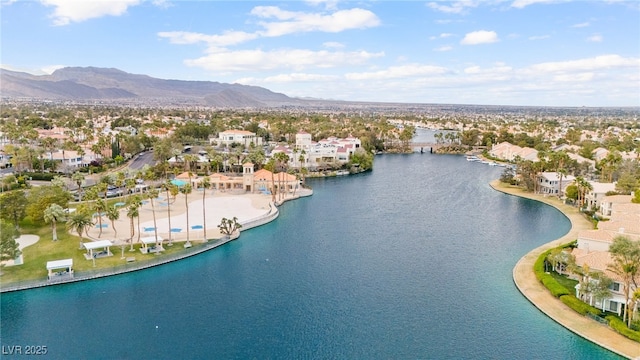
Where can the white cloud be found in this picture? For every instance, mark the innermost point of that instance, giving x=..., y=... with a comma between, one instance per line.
x=295, y=22
x=580, y=25
x=479, y=37
x=519, y=4
x=539, y=37
x=225, y=39
x=289, y=22
x=589, y=64
x=299, y=77
x=68, y=11
x=441, y=36
x=328, y=4
x=333, y=45
x=444, y=48
x=455, y=7
x=396, y=72
x=49, y=69
x=595, y=38
x=580, y=77
x=255, y=60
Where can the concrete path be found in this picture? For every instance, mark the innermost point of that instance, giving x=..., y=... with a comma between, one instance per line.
x=532, y=289
x=23, y=241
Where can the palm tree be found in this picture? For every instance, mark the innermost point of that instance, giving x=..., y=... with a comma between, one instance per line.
x=80, y=222
x=113, y=214
x=171, y=191
x=78, y=178
x=53, y=214
x=133, y=211
x=206, y=183
x=271, y=167
x=151, y=195
x=186, y=190
x=625, y=255
x=282, y=160
x=100, y=206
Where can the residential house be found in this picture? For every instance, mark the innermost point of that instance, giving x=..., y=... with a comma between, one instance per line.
x=242, y=137
x=593, y=250
x=551, y=183
x=509, y=152
x=597, y=193
x=331, y=151
x=600, y=153
x=608, y=202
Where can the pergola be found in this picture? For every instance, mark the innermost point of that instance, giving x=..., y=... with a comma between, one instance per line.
x=65, y=265
x=150, y=240
x=91, y=246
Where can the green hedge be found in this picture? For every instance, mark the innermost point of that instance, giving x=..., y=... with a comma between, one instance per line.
x=538, y=267
x=579, y=306
x=554, y=286
x=40, y=176
x=619, y=326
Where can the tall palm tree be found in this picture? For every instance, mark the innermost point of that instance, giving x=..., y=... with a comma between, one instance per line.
x=100, y=206
x=171, y=191
x=152, y=194
x=80, y=222
x=625, y=256
x=186, y=190
x=206, y=183
x=113, y=214
x=78, y=178
x=53, y=214
x=133, y=211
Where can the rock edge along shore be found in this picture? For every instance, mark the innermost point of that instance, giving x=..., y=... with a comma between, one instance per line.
x=527, y=283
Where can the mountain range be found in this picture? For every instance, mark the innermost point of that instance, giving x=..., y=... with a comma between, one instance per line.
x=108, y=84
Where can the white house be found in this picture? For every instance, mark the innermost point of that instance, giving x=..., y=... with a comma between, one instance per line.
x=329, y=151
x=597, y=193
x=550, y=183
x=608, y=202
x=593, y=251
x=242, y=137
x=509, y=152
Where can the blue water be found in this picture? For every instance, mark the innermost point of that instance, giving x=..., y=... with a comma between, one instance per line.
x=410, y=261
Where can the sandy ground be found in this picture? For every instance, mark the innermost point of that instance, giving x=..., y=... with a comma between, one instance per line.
x=23, y=241
x=218, y=205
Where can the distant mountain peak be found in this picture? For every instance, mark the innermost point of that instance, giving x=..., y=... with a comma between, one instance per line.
x=95, y=83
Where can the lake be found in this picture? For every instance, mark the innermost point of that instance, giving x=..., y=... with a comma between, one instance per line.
x=411, y=260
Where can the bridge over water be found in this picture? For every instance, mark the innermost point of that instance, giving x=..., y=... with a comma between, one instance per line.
x=434, y=146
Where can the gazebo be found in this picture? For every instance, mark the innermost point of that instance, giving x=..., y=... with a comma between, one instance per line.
x=148, y=244
x=91, y=246
x=60, y=269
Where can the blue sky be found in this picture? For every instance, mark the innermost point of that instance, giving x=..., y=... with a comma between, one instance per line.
x=498, y=52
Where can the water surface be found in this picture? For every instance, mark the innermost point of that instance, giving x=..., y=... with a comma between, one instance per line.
x=412, y=260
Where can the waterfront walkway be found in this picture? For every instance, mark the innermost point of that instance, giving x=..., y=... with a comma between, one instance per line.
x=534, y=291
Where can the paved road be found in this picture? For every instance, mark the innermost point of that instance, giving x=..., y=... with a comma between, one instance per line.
x=141, y=160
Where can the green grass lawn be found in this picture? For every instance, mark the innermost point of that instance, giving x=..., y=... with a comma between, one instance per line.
x=35, y=257
x=563, y=280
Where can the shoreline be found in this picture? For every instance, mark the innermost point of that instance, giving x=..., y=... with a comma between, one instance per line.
x=126, y=268
x=529, y=286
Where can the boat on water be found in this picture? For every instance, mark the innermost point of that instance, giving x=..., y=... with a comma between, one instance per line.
x=472, y=158
x=342, y=172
